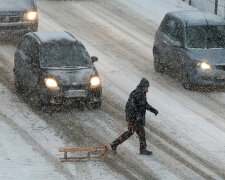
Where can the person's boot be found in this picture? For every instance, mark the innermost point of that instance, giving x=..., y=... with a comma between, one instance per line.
x=146, y=152
x=113, y=147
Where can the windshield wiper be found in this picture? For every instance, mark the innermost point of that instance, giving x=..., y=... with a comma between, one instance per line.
x=76, y=67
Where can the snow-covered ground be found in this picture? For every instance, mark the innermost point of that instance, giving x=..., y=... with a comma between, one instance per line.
x=155, y=10
x=29, y=147
x=187, y=137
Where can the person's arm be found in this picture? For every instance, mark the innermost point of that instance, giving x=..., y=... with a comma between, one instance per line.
x=150, y=108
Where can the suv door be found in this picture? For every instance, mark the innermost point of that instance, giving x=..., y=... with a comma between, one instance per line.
x=22, y=61
x=166, y=29
x=176, y=43
x=33, y=74
x=28, y=55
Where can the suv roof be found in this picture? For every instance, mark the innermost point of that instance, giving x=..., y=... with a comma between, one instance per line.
x=195, y=17
x=52, y=36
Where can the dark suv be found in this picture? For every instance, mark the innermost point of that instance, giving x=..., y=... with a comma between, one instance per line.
x=191, y=43
x=18, y=17
x=56, y=69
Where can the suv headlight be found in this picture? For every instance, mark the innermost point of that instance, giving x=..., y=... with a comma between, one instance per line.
x=204, y=65
x=95, y=82
x=31, y=15
x=51, y=83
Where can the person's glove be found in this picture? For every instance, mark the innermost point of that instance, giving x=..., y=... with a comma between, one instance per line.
x=155, y=112
x=132, y=128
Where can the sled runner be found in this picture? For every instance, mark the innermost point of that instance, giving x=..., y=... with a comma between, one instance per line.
x=93, y=154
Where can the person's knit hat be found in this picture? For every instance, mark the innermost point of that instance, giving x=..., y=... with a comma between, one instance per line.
x=144, y=83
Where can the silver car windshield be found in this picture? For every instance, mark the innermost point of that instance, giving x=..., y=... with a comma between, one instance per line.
x=64, y=55
x=205, y=37
x=15, y=5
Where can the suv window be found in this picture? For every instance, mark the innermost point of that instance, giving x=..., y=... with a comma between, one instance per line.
x=177, y=34
x=173, y=29
x=25, y=46
x=210, y=36
x=30, y=48
x=168, y=26
x=34, y=52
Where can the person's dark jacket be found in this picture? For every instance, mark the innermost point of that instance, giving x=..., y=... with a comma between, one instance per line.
x=137, y=105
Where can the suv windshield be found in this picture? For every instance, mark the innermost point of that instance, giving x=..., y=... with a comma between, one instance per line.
x=64, y=55
x=15, y=4
x=205, y=36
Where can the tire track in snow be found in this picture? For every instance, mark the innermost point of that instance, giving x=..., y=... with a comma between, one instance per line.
x=192, y=157
x=209, y=165
x=6, y=75
x=70, y=124
x=167, y=149
x=35, y=145
x=161, y=145
x=7, y=79
x=121, y=14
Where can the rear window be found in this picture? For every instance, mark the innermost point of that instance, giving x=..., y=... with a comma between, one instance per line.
x=15, y=5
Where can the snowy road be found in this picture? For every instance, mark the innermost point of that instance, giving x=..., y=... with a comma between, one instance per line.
x=187, y=137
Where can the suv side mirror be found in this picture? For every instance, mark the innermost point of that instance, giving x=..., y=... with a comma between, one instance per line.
x=177, y=44
x=94, y=59
x=35, y=65
x=28, y=60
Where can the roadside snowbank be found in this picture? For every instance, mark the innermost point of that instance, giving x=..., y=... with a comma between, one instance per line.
x=29, y=147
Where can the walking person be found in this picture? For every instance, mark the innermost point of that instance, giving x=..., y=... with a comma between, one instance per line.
x=135, y=109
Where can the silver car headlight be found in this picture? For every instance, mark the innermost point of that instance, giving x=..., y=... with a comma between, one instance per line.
x=204, y=66
x=51, y=83
x=95, y=82
x=31, y=15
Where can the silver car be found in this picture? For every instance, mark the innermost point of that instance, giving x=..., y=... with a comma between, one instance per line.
x=18, y=17
x=191, y=43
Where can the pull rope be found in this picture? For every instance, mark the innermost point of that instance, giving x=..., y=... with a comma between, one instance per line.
x=121, y=132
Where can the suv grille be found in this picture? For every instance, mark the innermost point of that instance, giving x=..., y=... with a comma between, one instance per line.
x=6, y=28
x=8, y=19
x=77, y=87
x=220, y=67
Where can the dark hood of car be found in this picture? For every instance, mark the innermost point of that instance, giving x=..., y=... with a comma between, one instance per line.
x=67, y=77
x=213, y=56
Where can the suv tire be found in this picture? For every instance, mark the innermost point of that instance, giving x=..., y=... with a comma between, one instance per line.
x=186, y=81
x=18, y=86
x=94, y=104
x=159, y=67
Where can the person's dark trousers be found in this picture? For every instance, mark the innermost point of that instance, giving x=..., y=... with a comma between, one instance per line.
x=131, y=130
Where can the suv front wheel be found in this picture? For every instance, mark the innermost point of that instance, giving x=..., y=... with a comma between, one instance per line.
x=186, y=80
x=94, y=102
x=159, y=67
x=18, y=86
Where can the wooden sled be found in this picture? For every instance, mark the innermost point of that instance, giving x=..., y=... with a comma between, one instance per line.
x=90, y=157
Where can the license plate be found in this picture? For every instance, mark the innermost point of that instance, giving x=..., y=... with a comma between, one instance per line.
x=221, y=77
x=75, y=93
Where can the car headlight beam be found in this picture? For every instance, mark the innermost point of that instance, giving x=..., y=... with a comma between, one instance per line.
x=204, y=65
x=51, y=83
x=31, y=16
x=95, y=81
